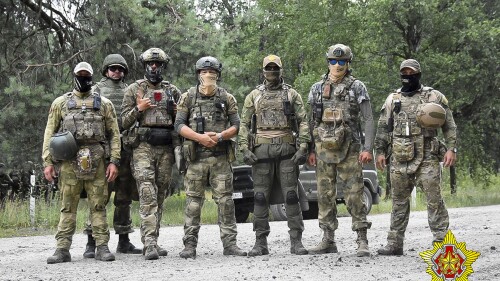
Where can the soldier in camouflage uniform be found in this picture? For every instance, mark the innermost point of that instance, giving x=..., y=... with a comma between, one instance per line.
x=416, y=152
x=112, y=86
x=274, y=153
x=208, y=119
x=148, y=113
x=339, y=103
x=91, y=119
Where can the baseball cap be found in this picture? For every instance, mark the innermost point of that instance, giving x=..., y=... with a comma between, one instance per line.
x=410, y=63
x=83, y=66
x=272, y=58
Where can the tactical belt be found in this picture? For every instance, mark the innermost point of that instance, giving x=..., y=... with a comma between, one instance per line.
x=276, y=159
x=277, y=140
x=204, y=154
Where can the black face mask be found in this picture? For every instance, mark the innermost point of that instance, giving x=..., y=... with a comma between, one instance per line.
x=154, y=76
x=411, y=83
x=83, y=83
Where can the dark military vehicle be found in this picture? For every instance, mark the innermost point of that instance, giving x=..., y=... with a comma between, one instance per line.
x=243, y=192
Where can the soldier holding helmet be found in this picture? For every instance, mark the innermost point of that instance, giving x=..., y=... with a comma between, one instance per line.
x=112, y=85
x=340, y=103
x=148, y=114
x=85, y=121
x=208, y=119
x=408, y=126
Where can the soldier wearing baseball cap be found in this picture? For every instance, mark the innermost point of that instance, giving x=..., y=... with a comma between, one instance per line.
x=412, y=117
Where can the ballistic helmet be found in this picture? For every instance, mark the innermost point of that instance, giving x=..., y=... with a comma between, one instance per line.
x=431, y=115
x=63, y=146
x=154, y=54
x=208, y=63
x=340, y=52
x=111, y=60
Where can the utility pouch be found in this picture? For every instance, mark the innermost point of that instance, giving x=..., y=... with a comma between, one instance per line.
x=87, y=160
x=130, y=138
x=434, y=143
x=287, y=108
x=200, y=124
x=403, y=149
x=189, y=150
x=332, y=115
x=442, y=150
x=159, y=136
x=143, y=133
x=231, y=150
x=318, y=111
x=332, y=137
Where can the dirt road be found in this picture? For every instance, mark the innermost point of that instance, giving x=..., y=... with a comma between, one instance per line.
x=24, y=258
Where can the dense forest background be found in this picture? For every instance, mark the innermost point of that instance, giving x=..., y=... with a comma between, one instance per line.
x=457, y=43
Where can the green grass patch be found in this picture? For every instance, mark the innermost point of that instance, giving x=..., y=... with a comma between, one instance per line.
x=15, y=217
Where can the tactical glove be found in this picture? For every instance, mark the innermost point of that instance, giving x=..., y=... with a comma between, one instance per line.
x=248, y=157
x=300, y=157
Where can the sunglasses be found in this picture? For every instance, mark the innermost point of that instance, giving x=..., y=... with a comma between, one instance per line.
x=157, y=63
x=115, y=68
x=334, y=62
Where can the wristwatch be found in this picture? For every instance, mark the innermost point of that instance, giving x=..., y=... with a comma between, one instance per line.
x=220, y=138
x=453, y=149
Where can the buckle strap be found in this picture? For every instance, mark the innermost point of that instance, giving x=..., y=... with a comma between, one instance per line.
x=276, y=140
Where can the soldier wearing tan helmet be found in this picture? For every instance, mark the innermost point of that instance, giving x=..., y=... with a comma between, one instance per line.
x=85, y=121
x=279, y=144
x=340, y=103
x=112, y=86
x=408, y=126
x=148, y=112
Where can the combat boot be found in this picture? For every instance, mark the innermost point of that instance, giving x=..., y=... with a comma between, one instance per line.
x=260, y=247
x=363, y=250
x=103, y=254
x=296, y=246
x=162, y=252
x=61, y=255
x=327, y=244
x=90, y=248
x=125, y=247
x=189, y=251
x=391, y=249
x=234, y=251
x=150, y=253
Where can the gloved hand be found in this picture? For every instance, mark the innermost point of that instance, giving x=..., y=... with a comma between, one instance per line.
x=248, y=157
x=300, y=157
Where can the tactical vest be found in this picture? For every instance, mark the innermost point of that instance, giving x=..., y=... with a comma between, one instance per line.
x=269, y=109
x=162, y=115
x=213, y=109
x=408, y=137
x=84, y=118
x=113, y=91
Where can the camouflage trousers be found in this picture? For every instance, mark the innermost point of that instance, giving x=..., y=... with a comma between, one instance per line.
x=428, y=177
x=215, y=171
x=347, y=175
x=152, y=169
x=125, y=189
x=276, y=174
x=97, y=192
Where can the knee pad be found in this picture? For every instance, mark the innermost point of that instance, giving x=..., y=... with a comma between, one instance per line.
x=260, y=199
x=292, y=198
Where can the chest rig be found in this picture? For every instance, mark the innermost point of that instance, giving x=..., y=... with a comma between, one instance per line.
x=273, y=108
x=113, y=91
x=408, y=137
x=83, y=118
x=163, y=115
x=208, y=114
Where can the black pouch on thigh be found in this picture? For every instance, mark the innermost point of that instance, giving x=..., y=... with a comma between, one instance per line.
x=87, y=160
x=159, y=136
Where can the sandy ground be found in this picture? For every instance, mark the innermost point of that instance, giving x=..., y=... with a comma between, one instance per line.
x=24, y=258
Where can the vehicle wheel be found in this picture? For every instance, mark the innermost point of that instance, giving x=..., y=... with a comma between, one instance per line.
x=241, y=215
x=278, y=212
x=312, y=213
x=368, y=199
